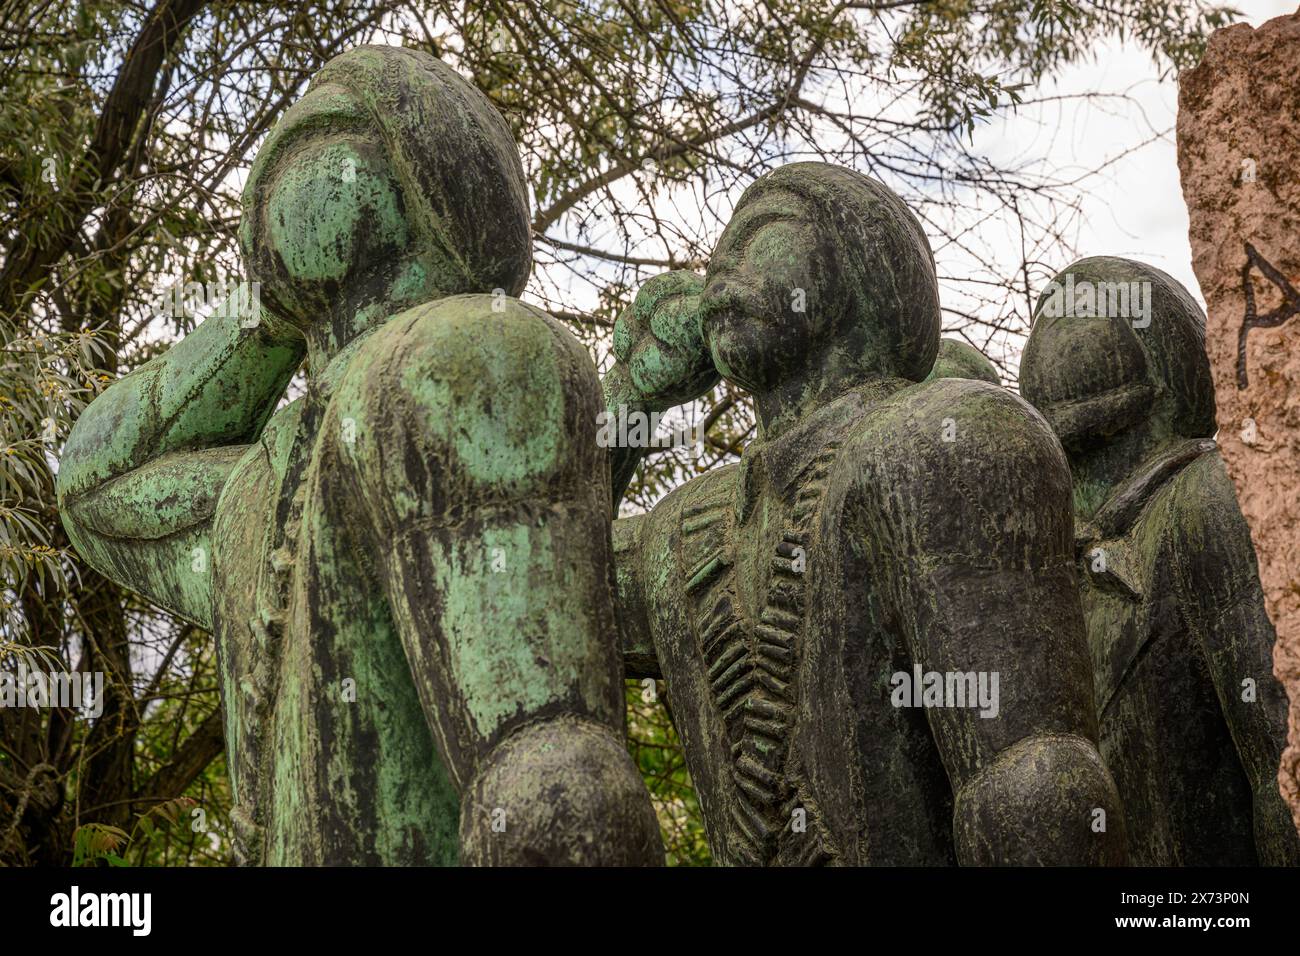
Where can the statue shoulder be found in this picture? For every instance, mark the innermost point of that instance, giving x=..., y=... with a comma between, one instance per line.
x=710, y=485
x=965, y=464
x=958, y=426
x=1207, y=525
x=694, y=517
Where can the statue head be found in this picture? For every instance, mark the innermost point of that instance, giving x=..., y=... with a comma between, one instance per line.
x=391, y=181
x=1114, y=344
x=958, y=359
x=820, y=264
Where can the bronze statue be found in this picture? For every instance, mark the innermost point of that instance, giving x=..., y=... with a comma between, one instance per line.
x=882, y=544
x=870, y=626
x=1192, y=720
x=407, y=570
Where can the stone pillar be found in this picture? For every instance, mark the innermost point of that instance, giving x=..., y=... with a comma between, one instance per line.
x=1238, y=150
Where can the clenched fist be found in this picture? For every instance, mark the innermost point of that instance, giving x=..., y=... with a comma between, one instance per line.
x=661, y=357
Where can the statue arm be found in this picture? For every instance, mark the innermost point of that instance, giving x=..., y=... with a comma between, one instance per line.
x=974, y=536
x=661, y=361
x=636, y=639
x=475, y=475
x=145, y=463
x=1224, y=604
x=623, y=459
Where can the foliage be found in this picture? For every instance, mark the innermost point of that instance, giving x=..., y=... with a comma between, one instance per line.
x=93, y=843
x=657, y=750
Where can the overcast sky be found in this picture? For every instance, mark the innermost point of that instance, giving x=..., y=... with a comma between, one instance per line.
x=1136, y=208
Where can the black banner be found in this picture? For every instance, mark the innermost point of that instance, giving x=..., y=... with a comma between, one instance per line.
x=334, y=906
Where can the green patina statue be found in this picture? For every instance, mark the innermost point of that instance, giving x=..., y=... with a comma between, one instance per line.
x=1192, y=721
x=870, y=626
x=957, y=359
x=408, y=569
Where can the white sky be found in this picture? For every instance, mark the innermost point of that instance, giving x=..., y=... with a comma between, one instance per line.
x=1136, y=208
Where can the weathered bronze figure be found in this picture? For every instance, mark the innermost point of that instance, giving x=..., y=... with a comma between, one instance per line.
x=870, y=626
x=407, y=570
x=1192, y=720
x=958, y=359
x=880, y=535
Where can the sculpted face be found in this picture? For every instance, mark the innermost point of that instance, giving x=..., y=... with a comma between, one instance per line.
x=392, y=182
x=1087, y=375
x=760, y=302
x=334, y=212
x=823, y=273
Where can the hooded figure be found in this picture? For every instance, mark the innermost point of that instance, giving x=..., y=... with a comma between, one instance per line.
x=392, y=175
x=406, y=570
x=845, y=283
x=1192, y=720
x=1127, y=344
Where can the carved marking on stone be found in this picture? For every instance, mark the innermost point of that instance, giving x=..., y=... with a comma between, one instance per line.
x=1252, y=320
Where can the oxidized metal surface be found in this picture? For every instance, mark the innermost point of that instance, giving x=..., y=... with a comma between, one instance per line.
x=879, y=526
x=871, y=626
x=1192, y=720
x=403, y=569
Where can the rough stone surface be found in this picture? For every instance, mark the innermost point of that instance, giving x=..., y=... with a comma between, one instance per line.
x=1237, y=148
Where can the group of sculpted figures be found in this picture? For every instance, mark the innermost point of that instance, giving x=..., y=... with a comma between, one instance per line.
x=425, y=609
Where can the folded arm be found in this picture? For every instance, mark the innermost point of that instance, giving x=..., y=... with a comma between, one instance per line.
x=145, y=463
x=1223, y=602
